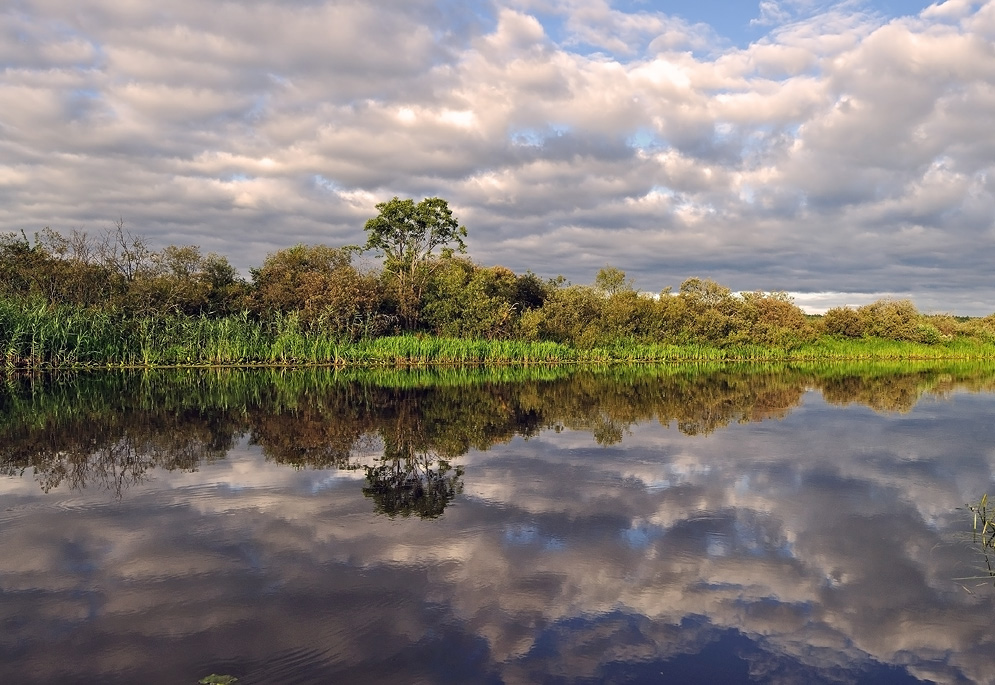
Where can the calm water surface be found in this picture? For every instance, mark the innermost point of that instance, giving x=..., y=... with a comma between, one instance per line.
x=677, y=525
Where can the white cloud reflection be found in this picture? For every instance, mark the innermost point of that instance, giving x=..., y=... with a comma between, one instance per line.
x=821, y=540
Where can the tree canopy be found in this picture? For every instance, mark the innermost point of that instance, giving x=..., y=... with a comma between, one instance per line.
x=407, y=235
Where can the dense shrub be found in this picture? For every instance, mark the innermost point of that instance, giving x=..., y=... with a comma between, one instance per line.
x=463, y=299
x=322, y=287
x=844, y=322
x=770, y=319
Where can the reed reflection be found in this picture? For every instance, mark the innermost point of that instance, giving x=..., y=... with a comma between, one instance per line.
x=405, y=429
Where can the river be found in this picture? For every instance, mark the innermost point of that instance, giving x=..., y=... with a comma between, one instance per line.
x=661, y=524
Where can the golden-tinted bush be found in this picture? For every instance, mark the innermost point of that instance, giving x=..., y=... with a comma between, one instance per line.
x=320, y=284
x=844, y=322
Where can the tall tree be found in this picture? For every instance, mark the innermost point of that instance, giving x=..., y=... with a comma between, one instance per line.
x=407, y=235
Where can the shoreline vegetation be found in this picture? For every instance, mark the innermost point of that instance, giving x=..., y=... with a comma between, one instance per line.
x=204, y=343
x=110, y=301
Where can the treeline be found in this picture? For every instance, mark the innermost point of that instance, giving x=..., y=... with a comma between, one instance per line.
x=78, y=299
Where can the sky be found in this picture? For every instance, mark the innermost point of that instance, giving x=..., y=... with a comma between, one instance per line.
x=840, y=151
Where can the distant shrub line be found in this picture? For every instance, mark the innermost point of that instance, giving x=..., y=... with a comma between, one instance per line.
x=76, y=301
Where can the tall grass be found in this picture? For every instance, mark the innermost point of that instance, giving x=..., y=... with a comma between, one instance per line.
x=881, y=349
x=34, y=334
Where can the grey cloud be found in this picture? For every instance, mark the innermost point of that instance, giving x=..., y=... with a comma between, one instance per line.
x=253, y=126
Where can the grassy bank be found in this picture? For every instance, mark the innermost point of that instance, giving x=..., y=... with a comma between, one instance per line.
x=46, y=336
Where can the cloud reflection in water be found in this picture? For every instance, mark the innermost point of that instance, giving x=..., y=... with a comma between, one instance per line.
x=817, y=547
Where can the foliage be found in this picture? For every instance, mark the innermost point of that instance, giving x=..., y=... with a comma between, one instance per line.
x=571, y=316
x=710, y=309
x=843, y=322
x=407, y=235
x=322, y=287
x=78, y=300
x=463, y=299
x=611, y=280
x=215, y=679
x=771, y=319
x=117, y=272
x=890, y=320
x=181, y=280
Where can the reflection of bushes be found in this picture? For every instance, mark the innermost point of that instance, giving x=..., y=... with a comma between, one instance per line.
x=885, y=394
x=115, y=450
x=887, y=390
x=317, y=434
x=114, y=428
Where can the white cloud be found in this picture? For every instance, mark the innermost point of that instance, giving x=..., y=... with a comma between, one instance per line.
x=771, y=13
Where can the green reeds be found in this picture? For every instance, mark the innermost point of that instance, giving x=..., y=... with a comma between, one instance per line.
x=984, y=522
x=37, y=335
x=881, y=349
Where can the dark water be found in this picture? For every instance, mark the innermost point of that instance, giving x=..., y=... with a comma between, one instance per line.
x=701, y=525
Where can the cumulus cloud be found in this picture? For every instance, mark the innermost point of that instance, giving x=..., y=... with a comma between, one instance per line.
x=842, y=151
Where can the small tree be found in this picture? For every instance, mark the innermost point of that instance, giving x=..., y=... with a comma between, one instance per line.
x=705, y=293
x=612, y=281
x=125, y=253
x=407, y=235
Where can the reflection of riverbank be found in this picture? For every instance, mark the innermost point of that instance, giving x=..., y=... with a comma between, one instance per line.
x=114, y=428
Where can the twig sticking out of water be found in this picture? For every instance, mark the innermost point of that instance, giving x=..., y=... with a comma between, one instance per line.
x=985, y=517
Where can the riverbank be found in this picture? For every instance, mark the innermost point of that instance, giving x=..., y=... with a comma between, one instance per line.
x=59, y=338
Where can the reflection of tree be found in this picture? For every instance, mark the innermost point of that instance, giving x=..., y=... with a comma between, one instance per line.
x=411, y=477
x=412, y=486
